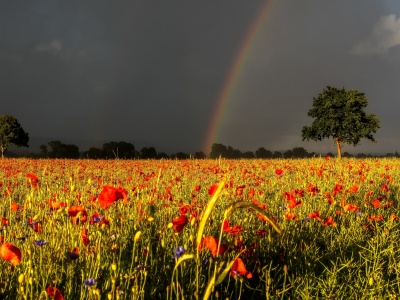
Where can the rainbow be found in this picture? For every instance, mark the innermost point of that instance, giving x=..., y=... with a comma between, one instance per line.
x=235, y=72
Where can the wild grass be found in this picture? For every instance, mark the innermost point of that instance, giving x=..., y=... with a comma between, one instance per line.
x=289, y=250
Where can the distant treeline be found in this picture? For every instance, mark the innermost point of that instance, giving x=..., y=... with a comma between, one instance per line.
x=124, y=150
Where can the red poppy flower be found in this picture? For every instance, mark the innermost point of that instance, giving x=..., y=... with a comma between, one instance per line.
x=14, y=207
x=33, y=178
x=84, y=239
x=329, y=221
x=315, y=215
x=110, y=194
x=239, y=268
x=54, y=293
x=393, y=217
x=376, y=203
x=278, y=172
x=179, y=223
x=197, y=188
x=327, y=157
x=212, y=189
x=11, y=253
x=211, y=243
x=74, y=210
x=225, y=226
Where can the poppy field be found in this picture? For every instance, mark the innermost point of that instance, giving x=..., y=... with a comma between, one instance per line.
x=315, y=228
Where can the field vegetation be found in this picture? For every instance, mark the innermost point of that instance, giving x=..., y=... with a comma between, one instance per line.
x=313, y=228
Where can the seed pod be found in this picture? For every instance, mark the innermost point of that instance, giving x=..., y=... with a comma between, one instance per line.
x=137, y=236
x=21, y=278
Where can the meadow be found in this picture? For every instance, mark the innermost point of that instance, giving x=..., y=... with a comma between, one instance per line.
x=317, y=228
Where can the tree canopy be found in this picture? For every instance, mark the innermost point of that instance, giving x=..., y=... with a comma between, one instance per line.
x=11, y=133
x=340, y=114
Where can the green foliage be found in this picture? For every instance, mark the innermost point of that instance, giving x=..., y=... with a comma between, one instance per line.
x=148, y=153
x=11, y=133
x=162, y=155
x=299, y=152
x=60, y=150
x=200, y=155
x=288, y=154
x=340, y=114
x=248, y=155
x=277, y=154
x=263, y=153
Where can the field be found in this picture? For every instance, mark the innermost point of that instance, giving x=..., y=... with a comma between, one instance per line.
x=208, y=229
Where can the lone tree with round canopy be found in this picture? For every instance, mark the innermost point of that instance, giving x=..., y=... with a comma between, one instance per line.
x=339, y=114
x=11, y=133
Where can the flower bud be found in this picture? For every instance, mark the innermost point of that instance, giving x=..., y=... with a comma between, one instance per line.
x=137, y=236
x=114, y=266
x=21, y=278
x=150, y=219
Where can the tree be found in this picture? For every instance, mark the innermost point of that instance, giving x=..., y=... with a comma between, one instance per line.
x=361, y=155
x=162, y=155
x=277, y=154
x=60, y=150
x=330, y=154
x=94, y=153
x=263, y=153
x=311, y=155
x=200, y=155
x=218, y=150
x=11, y=133
x=347, y=154
x=248, y=154
x=299, y=152
x=288, y=154
x=43, y=151
x=339, y=114
x=148, y=153
x=110, y=150
x=125, y=150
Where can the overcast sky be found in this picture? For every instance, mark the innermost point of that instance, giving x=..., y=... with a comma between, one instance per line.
x=151, y=72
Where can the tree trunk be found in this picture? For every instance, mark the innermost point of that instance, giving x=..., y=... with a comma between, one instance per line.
x=338, y=148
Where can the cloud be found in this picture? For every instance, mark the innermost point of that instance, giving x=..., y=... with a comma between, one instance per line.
x=55, y=45
x=385, y=34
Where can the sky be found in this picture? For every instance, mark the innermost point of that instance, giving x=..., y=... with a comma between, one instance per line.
x=153, y=73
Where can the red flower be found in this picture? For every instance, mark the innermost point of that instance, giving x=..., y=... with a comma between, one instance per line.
x=329, y=221
x=393, y=217
x=33, y=178
x=315, y=215
x=226, y=226
x=110, y=194
x=74, y=210
x=239, y=268
x=211, y=243
x=327, y=157
x=278, y=172
x=54, y=293
x=84, y=239
x=376, y=203
x=196, y=188
x=179, y=223
x=212, y=189
x=11, y=253
x=14, y=207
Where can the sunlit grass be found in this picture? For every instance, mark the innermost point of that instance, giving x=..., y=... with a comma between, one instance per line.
x=134, y=250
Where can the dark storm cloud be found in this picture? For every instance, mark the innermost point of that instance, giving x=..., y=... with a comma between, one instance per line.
x=151, y=72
